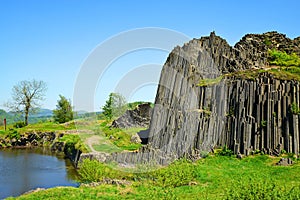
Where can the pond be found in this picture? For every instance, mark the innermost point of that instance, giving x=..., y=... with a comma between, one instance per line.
x=22, y=170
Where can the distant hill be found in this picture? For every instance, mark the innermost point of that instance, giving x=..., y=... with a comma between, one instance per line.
x=11, y=117
x=43, y=112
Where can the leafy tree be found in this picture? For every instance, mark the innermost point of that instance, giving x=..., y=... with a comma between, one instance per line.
x=63, y=112
x=26, y=97
x=115, y=106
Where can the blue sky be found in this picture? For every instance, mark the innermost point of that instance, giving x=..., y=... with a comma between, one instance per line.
x=49, y=40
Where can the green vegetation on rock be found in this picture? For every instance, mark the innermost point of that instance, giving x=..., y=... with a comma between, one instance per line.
x=209, y=82
x=73, y=141
x=280, y=58
x=294, y=108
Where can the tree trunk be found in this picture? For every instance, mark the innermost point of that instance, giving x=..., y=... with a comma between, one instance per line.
x=26, y=116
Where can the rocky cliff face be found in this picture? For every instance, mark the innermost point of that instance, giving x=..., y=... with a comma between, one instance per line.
x=245, y=115
x=198, y=107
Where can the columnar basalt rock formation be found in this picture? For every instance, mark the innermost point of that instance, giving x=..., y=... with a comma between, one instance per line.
x=199, y=107
x=260, y=116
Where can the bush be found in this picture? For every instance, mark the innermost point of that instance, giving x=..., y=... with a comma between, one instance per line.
x=14, y=134
x=179, y=173
x=294, y=109
x=283, y=59
x=73, y=142
x=225, y=152
x=261, y=189
x=292, y=156
x=94, y=171
x=263, y=123
x=19, y=124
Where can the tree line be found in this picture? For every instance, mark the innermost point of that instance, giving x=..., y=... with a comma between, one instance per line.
x=28, y=95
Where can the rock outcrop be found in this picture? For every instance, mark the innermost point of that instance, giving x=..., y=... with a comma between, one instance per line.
x=138, y=117
x=41, y=139
x=31, y=139
x=198, y=107
x=245, y=115
x=285, y=162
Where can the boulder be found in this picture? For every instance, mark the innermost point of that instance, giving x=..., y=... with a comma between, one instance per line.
x=139, y=117
x=58, y=146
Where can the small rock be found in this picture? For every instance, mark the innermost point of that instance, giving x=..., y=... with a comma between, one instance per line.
x=193, y=183
x=285, y=162
x=107, y=181
x=135, y=139
x=35, y=190
x=111, y=137
x=239, y=156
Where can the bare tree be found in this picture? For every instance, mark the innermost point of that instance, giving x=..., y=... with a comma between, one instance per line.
x=26, y=97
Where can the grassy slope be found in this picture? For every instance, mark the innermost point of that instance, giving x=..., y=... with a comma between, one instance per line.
x=217, y=177
x=110, y=139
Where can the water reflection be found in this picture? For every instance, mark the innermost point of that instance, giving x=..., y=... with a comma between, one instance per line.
x=22, y=170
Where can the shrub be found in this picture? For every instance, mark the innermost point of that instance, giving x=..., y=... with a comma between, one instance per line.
x=73, y=142
x=14, y=134
x=261, y=189
x=225, y=151
x=95, y=171
x=283, y=59
x=263, y=123
x=292, y=156
x=283, y=151
x=179, y=173
x=19, y=124
x=294, y=109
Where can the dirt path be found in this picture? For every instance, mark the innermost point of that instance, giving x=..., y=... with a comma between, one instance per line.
x=95, y=139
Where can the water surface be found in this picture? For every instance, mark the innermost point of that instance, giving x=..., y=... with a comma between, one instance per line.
x=22, y=170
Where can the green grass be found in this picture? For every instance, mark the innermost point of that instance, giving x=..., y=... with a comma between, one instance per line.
x=107, y=148
x=114, y=139
x=250, y=74
x=46, y=126
x=120, y=137
x=215, y=177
